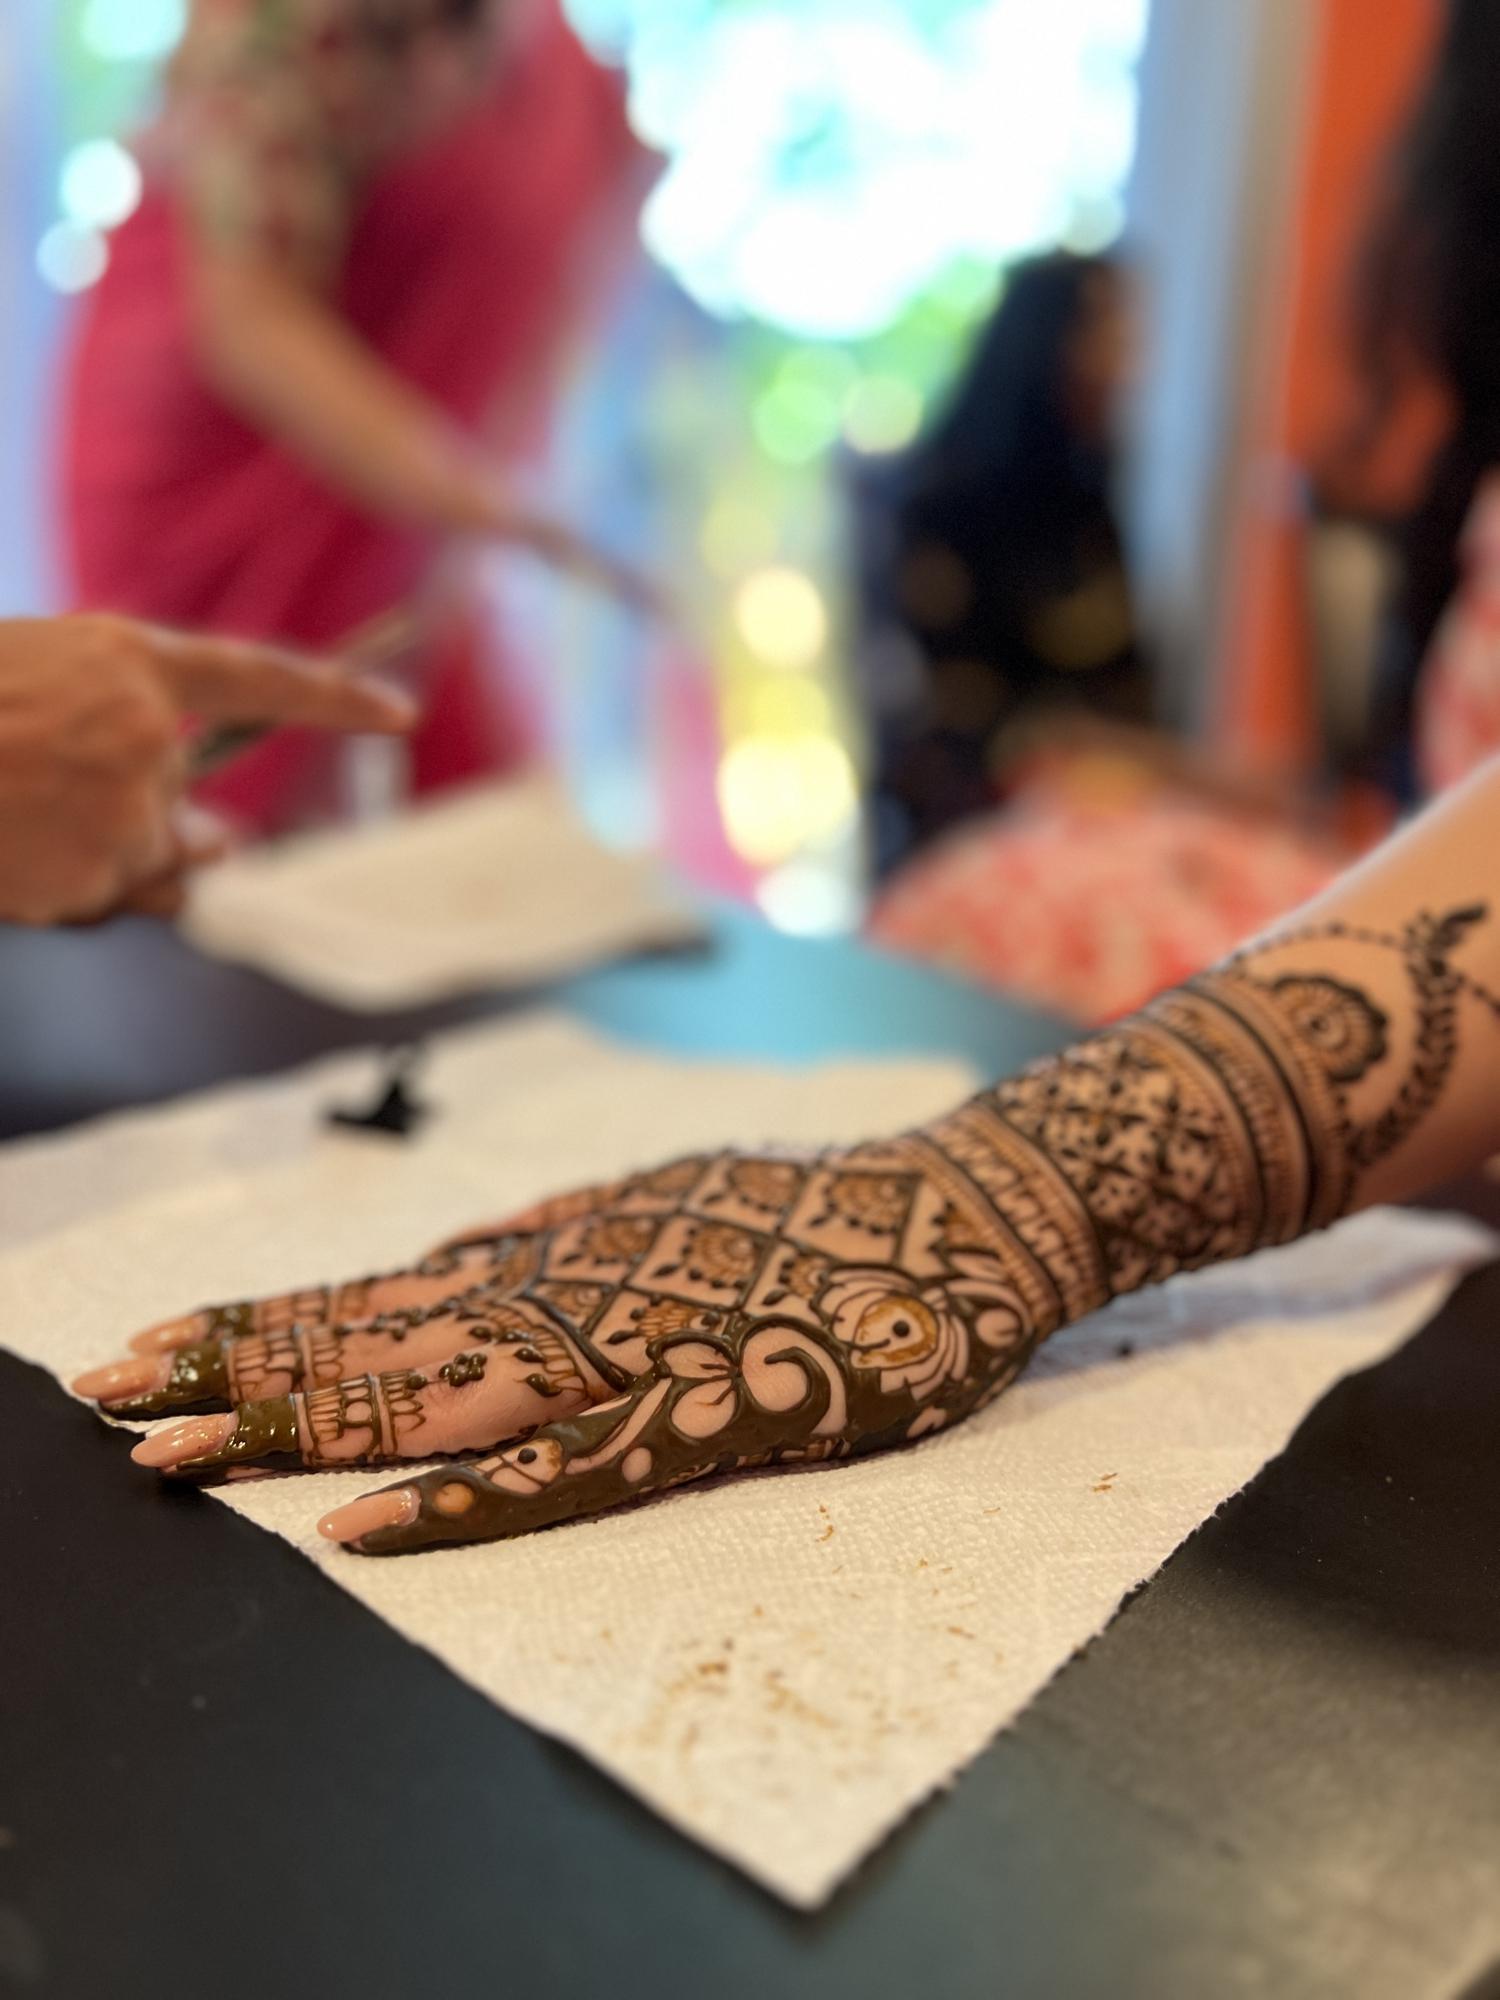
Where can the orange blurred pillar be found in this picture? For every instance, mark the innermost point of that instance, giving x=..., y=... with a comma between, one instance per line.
x=1369, y=58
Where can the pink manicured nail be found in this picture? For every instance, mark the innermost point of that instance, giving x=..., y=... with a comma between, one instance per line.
x=171, y=1334
x=124, y=1378
x=396, y=1508
x=179, y=1441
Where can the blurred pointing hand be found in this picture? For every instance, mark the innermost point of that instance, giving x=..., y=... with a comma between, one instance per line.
x=91, y=752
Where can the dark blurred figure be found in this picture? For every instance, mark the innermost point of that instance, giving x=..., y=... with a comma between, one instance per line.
x=1428, y=319
x=993, y=546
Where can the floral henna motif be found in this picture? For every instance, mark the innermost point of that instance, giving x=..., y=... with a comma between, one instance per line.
x=800, y=1274
x=771, y=1186
x=877, y=1203
x=579, y=1304
x=714, y=1255
x=660, y=1317
x=666, y=1185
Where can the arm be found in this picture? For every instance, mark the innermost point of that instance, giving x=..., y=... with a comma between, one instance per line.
x=751, y=1308
x=283, y=358
x=275, y=138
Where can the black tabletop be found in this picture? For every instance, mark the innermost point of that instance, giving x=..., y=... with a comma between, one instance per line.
x=1277, y=1774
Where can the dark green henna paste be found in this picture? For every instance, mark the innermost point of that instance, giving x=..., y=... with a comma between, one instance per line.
x=226, y=1322
x=466, y=1368
x=698, y=1412
x=265, y=1434
x=198, y=1384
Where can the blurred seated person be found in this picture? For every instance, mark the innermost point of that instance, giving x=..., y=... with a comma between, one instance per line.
x=1105, y=877
x=991, y=548
x=93, y=712
x=323, y=338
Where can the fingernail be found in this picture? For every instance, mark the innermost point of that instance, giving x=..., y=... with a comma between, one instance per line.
x=181, y=1441
x=124, y=1378
x=172, y=1333
x=395, y=1508
x=196, y=823
x=403, y=708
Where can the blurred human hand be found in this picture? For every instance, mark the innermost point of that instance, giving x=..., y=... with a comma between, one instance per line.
x=92, y=763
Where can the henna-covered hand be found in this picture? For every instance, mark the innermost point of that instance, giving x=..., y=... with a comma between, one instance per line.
x=736, y=1309
x=724, y=1310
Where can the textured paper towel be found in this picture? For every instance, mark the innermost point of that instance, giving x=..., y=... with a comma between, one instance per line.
x=785, y=1664
x=500, y=886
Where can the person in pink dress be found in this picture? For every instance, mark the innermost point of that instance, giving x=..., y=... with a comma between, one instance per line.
x=325, y=337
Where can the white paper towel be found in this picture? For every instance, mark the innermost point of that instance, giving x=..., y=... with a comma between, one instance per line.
x=496, y=886
x=782, y=1665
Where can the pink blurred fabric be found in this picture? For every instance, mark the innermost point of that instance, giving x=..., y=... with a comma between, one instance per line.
x=461, y=272
x=1089, y=908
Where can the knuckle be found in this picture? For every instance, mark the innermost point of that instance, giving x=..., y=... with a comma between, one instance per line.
x=141, y=723
x=103, y=639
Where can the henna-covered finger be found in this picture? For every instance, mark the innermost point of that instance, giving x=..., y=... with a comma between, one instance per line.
x=769, y=1392
x=191, y=1329
x=217, y=1375
x=530, y=1221
x=221, y=1355
x=171, y=1384
x=465, y=1401
x=655, y=1190
x=439, y=1277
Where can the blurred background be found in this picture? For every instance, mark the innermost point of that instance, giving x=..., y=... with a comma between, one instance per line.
x=995, y=398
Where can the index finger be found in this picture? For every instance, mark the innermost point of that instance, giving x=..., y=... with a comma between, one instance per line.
x=241, y=680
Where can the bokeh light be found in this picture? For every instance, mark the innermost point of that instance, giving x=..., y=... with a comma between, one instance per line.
x=736, y=535
x=779, y=793
x=789, y=705
x=796, y=422
x=100, y=184
x=782, y=617
x=70, y=258
x=828, y=160
x=882, y=413
x=809, y=898
x=132, y=30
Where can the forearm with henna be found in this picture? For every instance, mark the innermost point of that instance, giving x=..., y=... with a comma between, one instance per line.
x=745, y=1309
